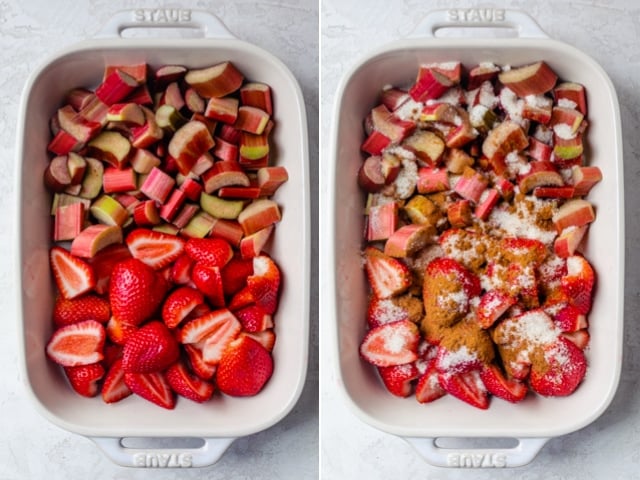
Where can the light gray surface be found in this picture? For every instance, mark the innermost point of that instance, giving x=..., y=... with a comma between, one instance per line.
x=32, y=448
x=608, y=448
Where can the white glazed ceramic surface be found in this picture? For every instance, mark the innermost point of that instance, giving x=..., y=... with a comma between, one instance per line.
x=224, y=417
x=536, y=417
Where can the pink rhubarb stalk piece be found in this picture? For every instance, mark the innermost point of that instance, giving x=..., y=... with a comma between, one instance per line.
x=145, y=214
x=69, y=221
x=471, y=185
x=158, y=185
x=270, y=179
x=173, y=204
x=190, y=142
x=252, y=245
x=382, y=221
x=222, y=109
x=191, y=188
x=430, y=84
x=226, y=151
x=230, y=230
x=118, y=180
x=533, y=79
x=94, y=238
x=488, y=200
x=115, y=87
x=216, y=81
x=459, y=213
x=571, y=92
x=408, y=239
x=584, y=178
x=185, y=215
x=223, y=174
x=258, y=215
x=251, y=120
x=256, y=94
x=574, y=213
x=432, y=180
x=566, y=244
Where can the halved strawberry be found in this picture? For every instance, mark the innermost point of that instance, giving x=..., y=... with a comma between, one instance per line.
x=213, y=252
x=87, y=307
x=119, y=331
x=198, y=329
x=72, y=275
x=497, y=384
x=266, y=338
x=264, y=284
x=201, y=368
x=493, y=304
x=80, y=343
x=84, y=378
x=241, y=299
x=152, y=387
x=428, y=387
x=181, y=269
x=387, y=276
x=208, y=280
x=152, y=348
x=103, y=263
x=398, y=378
x=235, y=273
x=444, y=266
x=156, y=249
x=570, y=319
x=466, y=386
x=254, y=319
x=188, y=385
x=217, y=341
x=179, y=304
x=244, y=369
x=578, y=283
x=580, y=338
x=114, y=389
x=564, y=368
x=393, y=343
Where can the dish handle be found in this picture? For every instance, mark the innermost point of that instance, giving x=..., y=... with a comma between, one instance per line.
x=521, y=454
x=473, y=18
x=165, y=18
x=209, y=453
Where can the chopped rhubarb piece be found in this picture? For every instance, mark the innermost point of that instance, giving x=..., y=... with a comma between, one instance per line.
x=426, y=145
x=72, y=122
x=216, y=81
x=77, y=166
x=199, y=226
x=488, y=200
x=115, y=87
x=95, y=111
x=459, y=213
x=569, y=119
x=408, y=239
x=574, y=213
x=146, y=214
x=148, y=134
x=173, y=204
x=94, y=238
x=471, y=185
x=129, y=113
x=584, y=178
x=189, y=143
x=204, y=163
x=57, y=176
x=389, y=125
x=230, y=134
x=193, y=101
x=63, y=199
x=230, y=230
x=223, y=109
x=533, y=79
x=63, y=143
x=540, y=174
x=251, y=120
x=185, y=215
x=431, y=180
x=109, y=211
x=375, y=143
x=111, y=148
x=169, y=118
x=223, y=174
x=252, y=165
x=79, y=98
x=92, y=181
x=538, y=150
x=382, y=221
x=252, y=245
x=172, y=96
x=118, y=180
x=168, y=73
x=429, y=85
x=142, y=161
x=255, y=94
x=69, y=221
x=258, y=215
x=226, y=151
x=221, y=207
x=136, y=70
x=568, y=241
x=507, y=137
x=253, y=147
x=565, y=191
x=250, y=192
x=270, y=179
x=505, y=188
x=394, y=98
x=191, y=188
x=140, y=96
x=158, y=185
x=461, y=135
x=484, y=72
x=570, y=94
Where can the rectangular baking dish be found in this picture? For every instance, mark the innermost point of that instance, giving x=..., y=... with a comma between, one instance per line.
x=224, y=418
x=538, y=418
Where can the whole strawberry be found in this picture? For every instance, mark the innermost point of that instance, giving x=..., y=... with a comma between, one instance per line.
x=152, y=348
x=135, y=291
x=245, y=367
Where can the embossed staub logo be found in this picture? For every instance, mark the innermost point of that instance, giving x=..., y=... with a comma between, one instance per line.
x=162, y=15
x=477, y=460
x=163, y=460
x=475, y=15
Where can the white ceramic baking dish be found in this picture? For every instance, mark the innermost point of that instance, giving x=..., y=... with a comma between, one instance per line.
x=224, y=418
x=536, y=420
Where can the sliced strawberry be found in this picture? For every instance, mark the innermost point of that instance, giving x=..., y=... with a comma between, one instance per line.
x=254, y=319
x=156, y=249
x=112, y=352
x=564, y=368
x=114, y=389
x=201, y=368
x=570, y=319
x=398, y=378
x=385, y=310
x=135, y=291
x=179, y=304
x=393, y=343
x=187, y=385
x=80, y=343
x=241, y=299
x=86, y=307
x=84, y=378
x=578, y=283
x=208, y=280
x=266, y=338
x=72, y=275
x=580, y=338
x=152, y=387
x=198, y=329
x=103, y=263
x=213, y=252
x=387, y=276
x=428, y=387
x=457, y=361
x=497, y=384
x=181, y=269
x=217, y=341
x=264, y=284
x=152, y=348
x=119, y=331
x=493, y=304
x=235, y=273
x=244, y=369
x=466, y=386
